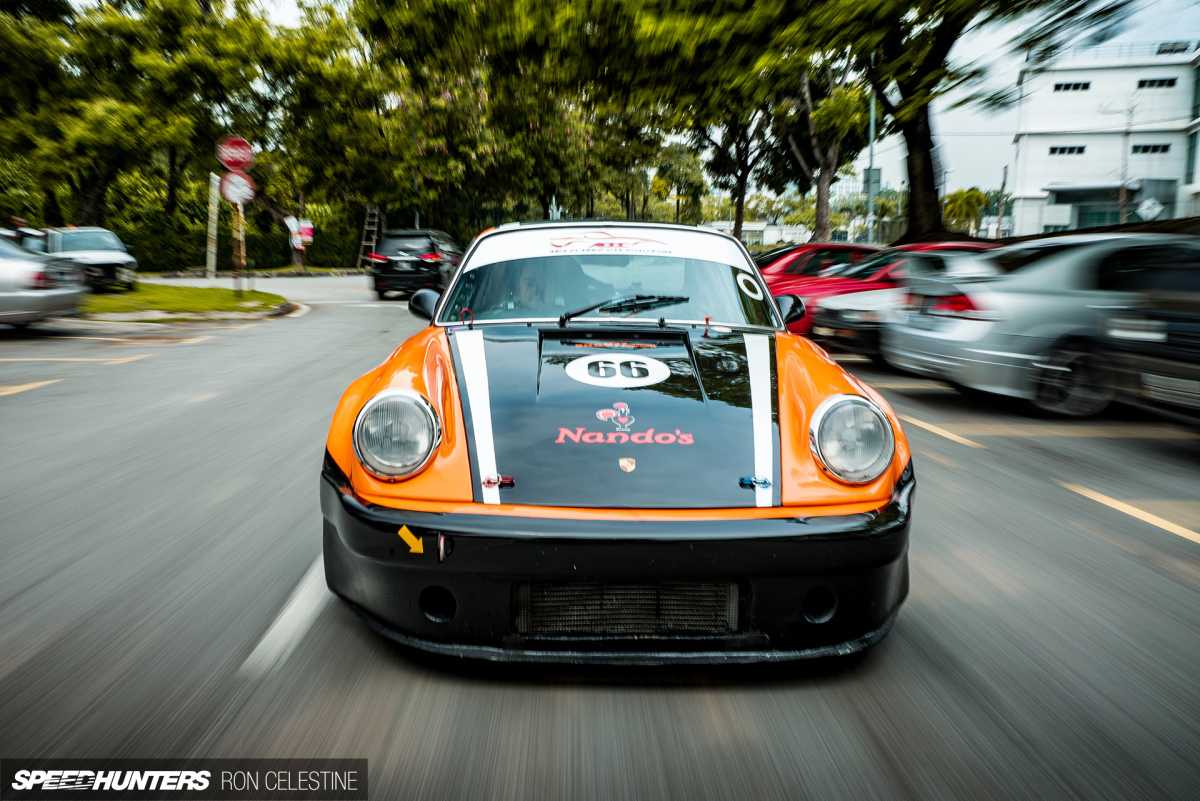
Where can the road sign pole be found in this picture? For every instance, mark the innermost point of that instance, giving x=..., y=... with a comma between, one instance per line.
x=214, y=207
x=239, y=249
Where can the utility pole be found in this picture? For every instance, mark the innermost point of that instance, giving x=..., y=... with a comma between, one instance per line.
x=214, y=207
x=874, y=228
x=1123, y=196
x=1000, y=210
x=1123, y=191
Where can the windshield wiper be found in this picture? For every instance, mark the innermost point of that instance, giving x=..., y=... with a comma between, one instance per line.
x=624, y=303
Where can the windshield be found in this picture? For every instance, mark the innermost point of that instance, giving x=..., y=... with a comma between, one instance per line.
x=393, y=245
x=1017, y=258
x=11, y=250
x=91, y=240
x=549, y=286
x=868, y=267
x=765, y=257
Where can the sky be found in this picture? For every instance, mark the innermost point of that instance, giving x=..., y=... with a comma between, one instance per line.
x=975, y=145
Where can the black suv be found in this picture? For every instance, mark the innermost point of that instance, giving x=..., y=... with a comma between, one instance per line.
x=405, y=261
x=1154, y=346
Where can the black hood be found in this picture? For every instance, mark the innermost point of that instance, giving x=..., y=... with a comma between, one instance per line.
x=610, y=417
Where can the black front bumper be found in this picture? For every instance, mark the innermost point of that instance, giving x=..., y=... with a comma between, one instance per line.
x=407, y=280
x=849, y=337
x=855, y=566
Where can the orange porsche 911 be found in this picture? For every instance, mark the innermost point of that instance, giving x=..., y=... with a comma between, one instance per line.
x=605, y=447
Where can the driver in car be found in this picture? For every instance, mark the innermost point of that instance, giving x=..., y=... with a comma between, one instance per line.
x=536, y=287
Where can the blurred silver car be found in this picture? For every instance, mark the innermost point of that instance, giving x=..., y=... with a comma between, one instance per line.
x=1031, y=332
x=853, y=322
x=34, y=287
x=102, y=254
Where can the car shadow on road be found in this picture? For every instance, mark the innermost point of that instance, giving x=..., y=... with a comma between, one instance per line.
x=804, y=671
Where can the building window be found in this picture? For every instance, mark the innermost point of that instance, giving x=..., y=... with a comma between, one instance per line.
x=1070, y=150
x=1151, y=149
x=1190, y=167
x=1073, y=87
x=1054, y=229
x=1156, y=83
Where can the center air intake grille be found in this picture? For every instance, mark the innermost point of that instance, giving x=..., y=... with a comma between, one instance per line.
x=602, y=609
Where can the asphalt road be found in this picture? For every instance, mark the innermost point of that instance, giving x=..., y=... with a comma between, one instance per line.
x=159, y=527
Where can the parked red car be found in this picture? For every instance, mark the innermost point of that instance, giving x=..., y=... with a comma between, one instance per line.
x=882, y=270
x=812, y=260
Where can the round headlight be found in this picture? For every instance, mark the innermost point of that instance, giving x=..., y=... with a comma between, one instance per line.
x=852, y=438
x=396, y=433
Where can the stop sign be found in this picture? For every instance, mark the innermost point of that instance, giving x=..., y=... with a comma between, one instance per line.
x=235, y=153
x=237, y=187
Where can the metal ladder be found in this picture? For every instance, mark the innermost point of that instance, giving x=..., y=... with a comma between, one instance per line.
x=370, y=236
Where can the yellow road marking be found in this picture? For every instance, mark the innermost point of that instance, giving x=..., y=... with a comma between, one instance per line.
x=195, y=339
x=128, y=359
x=1133, y=511
x=13, y=390
x=938, y=458
x=240, y=327
x=1053, y=430
x=941, y=432
x=414, y=543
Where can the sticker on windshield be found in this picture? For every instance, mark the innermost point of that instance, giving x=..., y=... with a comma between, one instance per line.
x=617, y=371
x=603, y=240
x=750, y=286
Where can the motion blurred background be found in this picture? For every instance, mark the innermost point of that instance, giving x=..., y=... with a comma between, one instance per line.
x=160, y=593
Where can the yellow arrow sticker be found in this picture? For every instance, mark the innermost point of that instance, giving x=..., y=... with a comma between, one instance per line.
x=415, y=545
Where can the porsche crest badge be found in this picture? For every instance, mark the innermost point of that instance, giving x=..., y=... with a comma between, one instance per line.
x=627, y=464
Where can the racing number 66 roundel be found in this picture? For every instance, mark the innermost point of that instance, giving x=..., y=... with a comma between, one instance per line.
x=605, y=446
x=617, y=371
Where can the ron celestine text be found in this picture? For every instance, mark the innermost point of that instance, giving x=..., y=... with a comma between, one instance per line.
x=268, y=779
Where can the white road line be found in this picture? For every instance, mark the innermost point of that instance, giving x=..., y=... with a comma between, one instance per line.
x=293, y=622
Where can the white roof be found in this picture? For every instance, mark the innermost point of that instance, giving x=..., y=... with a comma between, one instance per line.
x=529, y=242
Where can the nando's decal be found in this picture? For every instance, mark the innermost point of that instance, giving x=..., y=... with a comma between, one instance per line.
x=620, y=416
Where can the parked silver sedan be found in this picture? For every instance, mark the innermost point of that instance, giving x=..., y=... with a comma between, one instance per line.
x=34, y=287
x=1030, y=333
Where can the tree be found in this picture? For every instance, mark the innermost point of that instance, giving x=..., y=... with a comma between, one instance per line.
x=963, y=207
x=736, y=147
x=122, y=86
x=681, y=175
x=903, y=49
x=824, y=128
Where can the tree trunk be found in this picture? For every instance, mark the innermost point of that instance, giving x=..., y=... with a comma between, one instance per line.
x=88, y=200
x=822, y=227
x=51, y=211
x=545, y=201
x=924, y=212
x=739, y=213
x=677, y=209
x=172, y=181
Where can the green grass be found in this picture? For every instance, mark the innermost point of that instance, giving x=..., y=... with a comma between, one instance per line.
x=157, y=297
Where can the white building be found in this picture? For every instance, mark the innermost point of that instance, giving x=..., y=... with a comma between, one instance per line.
x=761, y=233
x=1102, y=117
